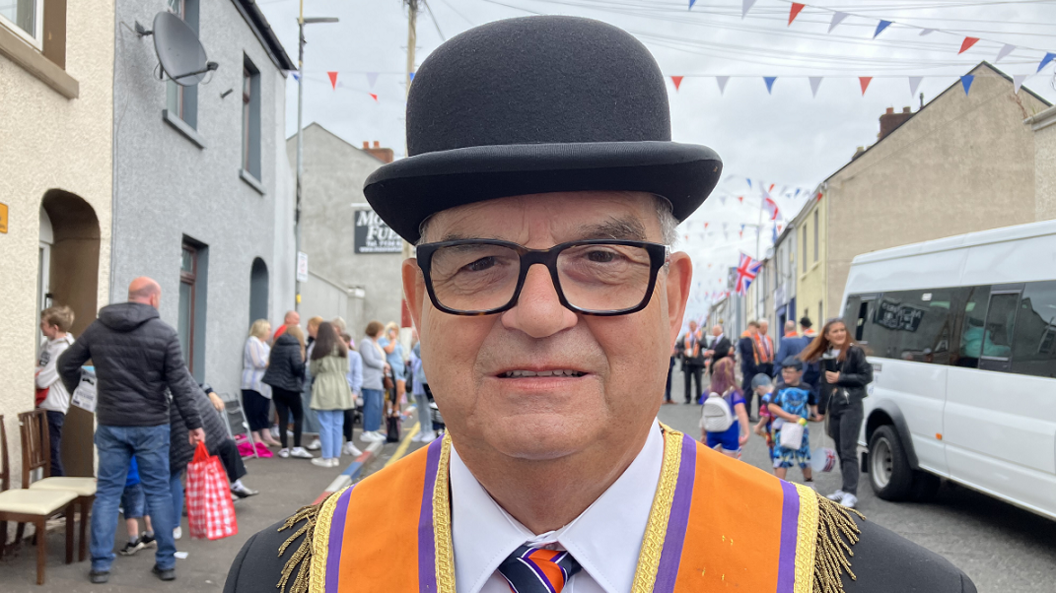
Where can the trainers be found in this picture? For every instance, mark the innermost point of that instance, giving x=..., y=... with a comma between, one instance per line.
x=284, y=453
x=274, y=432
x=177, y=533
x=428, y=437
x=368, y=436
x=836, y=496
x=243, y=492
x=351, y=449
x=849, y=500
x=131, y=548
x=165, y=574
x=315, y=445
x=418, y=437
x=149, y=541
x=320, y=462
x=99, y=577
x=300, y=453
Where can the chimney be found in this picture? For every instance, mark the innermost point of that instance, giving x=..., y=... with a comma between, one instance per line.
x=384, y=155
x=858, y=153
x=891, y=120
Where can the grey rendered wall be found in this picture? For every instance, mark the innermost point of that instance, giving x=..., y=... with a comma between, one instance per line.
x=334, y=172
x=167, y=187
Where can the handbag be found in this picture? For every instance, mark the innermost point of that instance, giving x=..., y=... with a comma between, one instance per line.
x=210, y=511
x=392, y=429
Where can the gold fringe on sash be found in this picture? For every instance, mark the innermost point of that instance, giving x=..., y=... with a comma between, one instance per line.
x=832, y=553
x=302, y=558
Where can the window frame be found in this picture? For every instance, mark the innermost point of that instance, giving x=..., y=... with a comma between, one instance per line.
x=252, y=162
x=806, y=251
x=190, y=278
x=1000, y=363
x=36, y=38
x=816, y=235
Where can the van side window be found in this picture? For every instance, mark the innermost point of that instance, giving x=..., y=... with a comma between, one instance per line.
x=850, y=316
x=1034, y=343
x=1000, y=322
x=915, y=325
x=971, y=336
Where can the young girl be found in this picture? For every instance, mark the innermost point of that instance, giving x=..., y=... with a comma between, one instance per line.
x=730, y=441
x=331, y=395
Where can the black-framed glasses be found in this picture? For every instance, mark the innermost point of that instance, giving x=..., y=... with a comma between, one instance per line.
x=592, y=277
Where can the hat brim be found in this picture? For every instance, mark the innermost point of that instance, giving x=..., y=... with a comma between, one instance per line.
x=406, y=192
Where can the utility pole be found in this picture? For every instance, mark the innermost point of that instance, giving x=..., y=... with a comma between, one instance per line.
x=412, y=38
x=301, y=22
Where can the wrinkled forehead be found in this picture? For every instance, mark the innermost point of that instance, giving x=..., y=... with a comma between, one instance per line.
x=551, y=218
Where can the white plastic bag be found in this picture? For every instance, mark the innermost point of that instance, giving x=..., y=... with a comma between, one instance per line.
x=792, y=435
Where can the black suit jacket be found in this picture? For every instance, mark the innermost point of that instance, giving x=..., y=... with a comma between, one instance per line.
x=721, y=348
x=883, y=562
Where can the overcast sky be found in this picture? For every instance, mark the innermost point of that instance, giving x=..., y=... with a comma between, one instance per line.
x=786, y=138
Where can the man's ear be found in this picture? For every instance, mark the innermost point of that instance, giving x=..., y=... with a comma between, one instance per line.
x=414, y=290
x=679, y=279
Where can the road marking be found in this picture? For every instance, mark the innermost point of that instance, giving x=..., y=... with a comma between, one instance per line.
x=406, y=442
x=352, y=471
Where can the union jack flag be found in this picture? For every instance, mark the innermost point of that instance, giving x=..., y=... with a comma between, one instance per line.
x=747, y=269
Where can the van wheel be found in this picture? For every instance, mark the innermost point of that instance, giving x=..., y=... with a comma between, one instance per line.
x=889, y=471
x=925, y=486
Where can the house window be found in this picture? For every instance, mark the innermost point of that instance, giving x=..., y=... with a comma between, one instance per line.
x=182, y=101
x=25, y=18
x=188, y=279
x=804, y=233
x=816, y=235
x=250, y=118
x=821, y=312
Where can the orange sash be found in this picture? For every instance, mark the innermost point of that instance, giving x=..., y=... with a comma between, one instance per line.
x=715, y=523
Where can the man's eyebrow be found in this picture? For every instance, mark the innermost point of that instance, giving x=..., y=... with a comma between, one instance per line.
x=628, y=229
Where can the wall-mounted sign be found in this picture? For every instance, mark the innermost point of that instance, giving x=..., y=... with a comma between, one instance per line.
x=372, y=235
x=302, y=266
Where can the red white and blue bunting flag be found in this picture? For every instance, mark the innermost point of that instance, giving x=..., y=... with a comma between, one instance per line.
x=677, y=80
x=769, y=80
x=882, y=24
x=815, y=82
x=722, y=80
x=333, y=79
x=914, y=84
x=864, y=82
x=372, y=79
x=966, y=82
x=1017, y=81
x=771, y=207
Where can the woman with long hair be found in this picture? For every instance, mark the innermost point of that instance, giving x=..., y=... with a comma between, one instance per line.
x=330, y=393
x=374, y=368
x=845, y=372
x=724, y=383
x=256, y=395
x=390, y=344
x=285, y=374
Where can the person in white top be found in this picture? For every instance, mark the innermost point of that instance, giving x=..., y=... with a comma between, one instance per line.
x=55, y=324
x=256, y=395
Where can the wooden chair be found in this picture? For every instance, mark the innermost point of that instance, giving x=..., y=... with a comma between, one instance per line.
x=26, y=506
x=36, y=453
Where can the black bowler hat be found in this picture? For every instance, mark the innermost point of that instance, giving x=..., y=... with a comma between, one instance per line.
x=537, y=105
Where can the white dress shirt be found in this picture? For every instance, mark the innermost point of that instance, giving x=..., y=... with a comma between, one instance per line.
x=605, y=539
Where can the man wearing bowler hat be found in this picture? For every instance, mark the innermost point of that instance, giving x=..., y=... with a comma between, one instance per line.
x=542, y=192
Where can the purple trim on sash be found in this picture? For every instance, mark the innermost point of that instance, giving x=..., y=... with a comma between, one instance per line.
x=667, y=571
x=426, y=542
x=786, y=563
x=337, y=537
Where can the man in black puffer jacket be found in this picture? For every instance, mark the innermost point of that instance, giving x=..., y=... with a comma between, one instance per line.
x=137, y=358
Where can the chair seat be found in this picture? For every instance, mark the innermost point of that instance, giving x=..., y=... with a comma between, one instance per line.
x=39, y=502
x=80, y=486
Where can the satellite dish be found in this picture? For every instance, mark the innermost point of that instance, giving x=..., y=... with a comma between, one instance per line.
x=180, y=52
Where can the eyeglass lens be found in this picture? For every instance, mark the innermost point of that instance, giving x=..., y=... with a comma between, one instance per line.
x=593, y=277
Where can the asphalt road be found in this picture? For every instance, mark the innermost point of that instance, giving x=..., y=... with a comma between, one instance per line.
x=1000, y=547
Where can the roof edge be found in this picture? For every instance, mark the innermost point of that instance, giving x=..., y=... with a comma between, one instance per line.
x=259, y=24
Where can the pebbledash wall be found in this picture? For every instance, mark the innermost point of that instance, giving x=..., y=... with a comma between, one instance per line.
x=55, y=183
x=359, y=287
x=189, y=211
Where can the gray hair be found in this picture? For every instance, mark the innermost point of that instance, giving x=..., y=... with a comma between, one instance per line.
x=667, y=220
x=790, y=325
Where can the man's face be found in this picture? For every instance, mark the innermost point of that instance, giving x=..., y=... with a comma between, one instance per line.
x=763, y=327
x=623, y=359
x=716, y=331
x=692, y=327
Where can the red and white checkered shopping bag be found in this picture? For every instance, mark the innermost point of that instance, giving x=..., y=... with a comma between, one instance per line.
x=210, y=511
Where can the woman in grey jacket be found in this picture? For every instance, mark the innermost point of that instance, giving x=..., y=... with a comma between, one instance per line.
x=374, y=368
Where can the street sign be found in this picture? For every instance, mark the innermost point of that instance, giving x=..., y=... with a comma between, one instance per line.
x=372, y=235
x=302, y=266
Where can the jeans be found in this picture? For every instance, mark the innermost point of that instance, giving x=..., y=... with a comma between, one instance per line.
x=116, y=446
x=425, y=414
x=372, y=409
x=176, y=486
x=256, y=408
x=845, y=421
x=55, y=422
x=330, y=425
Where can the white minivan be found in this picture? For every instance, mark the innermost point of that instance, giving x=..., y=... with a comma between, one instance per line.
x=961, y=333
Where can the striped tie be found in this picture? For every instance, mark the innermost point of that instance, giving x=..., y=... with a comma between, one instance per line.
x=534, y=570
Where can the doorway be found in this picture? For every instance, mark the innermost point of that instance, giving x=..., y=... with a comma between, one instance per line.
x=258, y=291
x=69, y=275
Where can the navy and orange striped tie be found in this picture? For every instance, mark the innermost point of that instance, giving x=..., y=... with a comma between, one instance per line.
x=534, y=570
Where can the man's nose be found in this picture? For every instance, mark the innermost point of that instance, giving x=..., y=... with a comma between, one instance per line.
x=539, y=312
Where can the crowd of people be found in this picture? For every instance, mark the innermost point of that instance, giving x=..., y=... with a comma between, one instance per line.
x=818, y=378
x=151, y=414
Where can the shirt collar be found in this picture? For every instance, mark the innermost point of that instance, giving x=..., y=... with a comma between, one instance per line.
x=605, y=539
